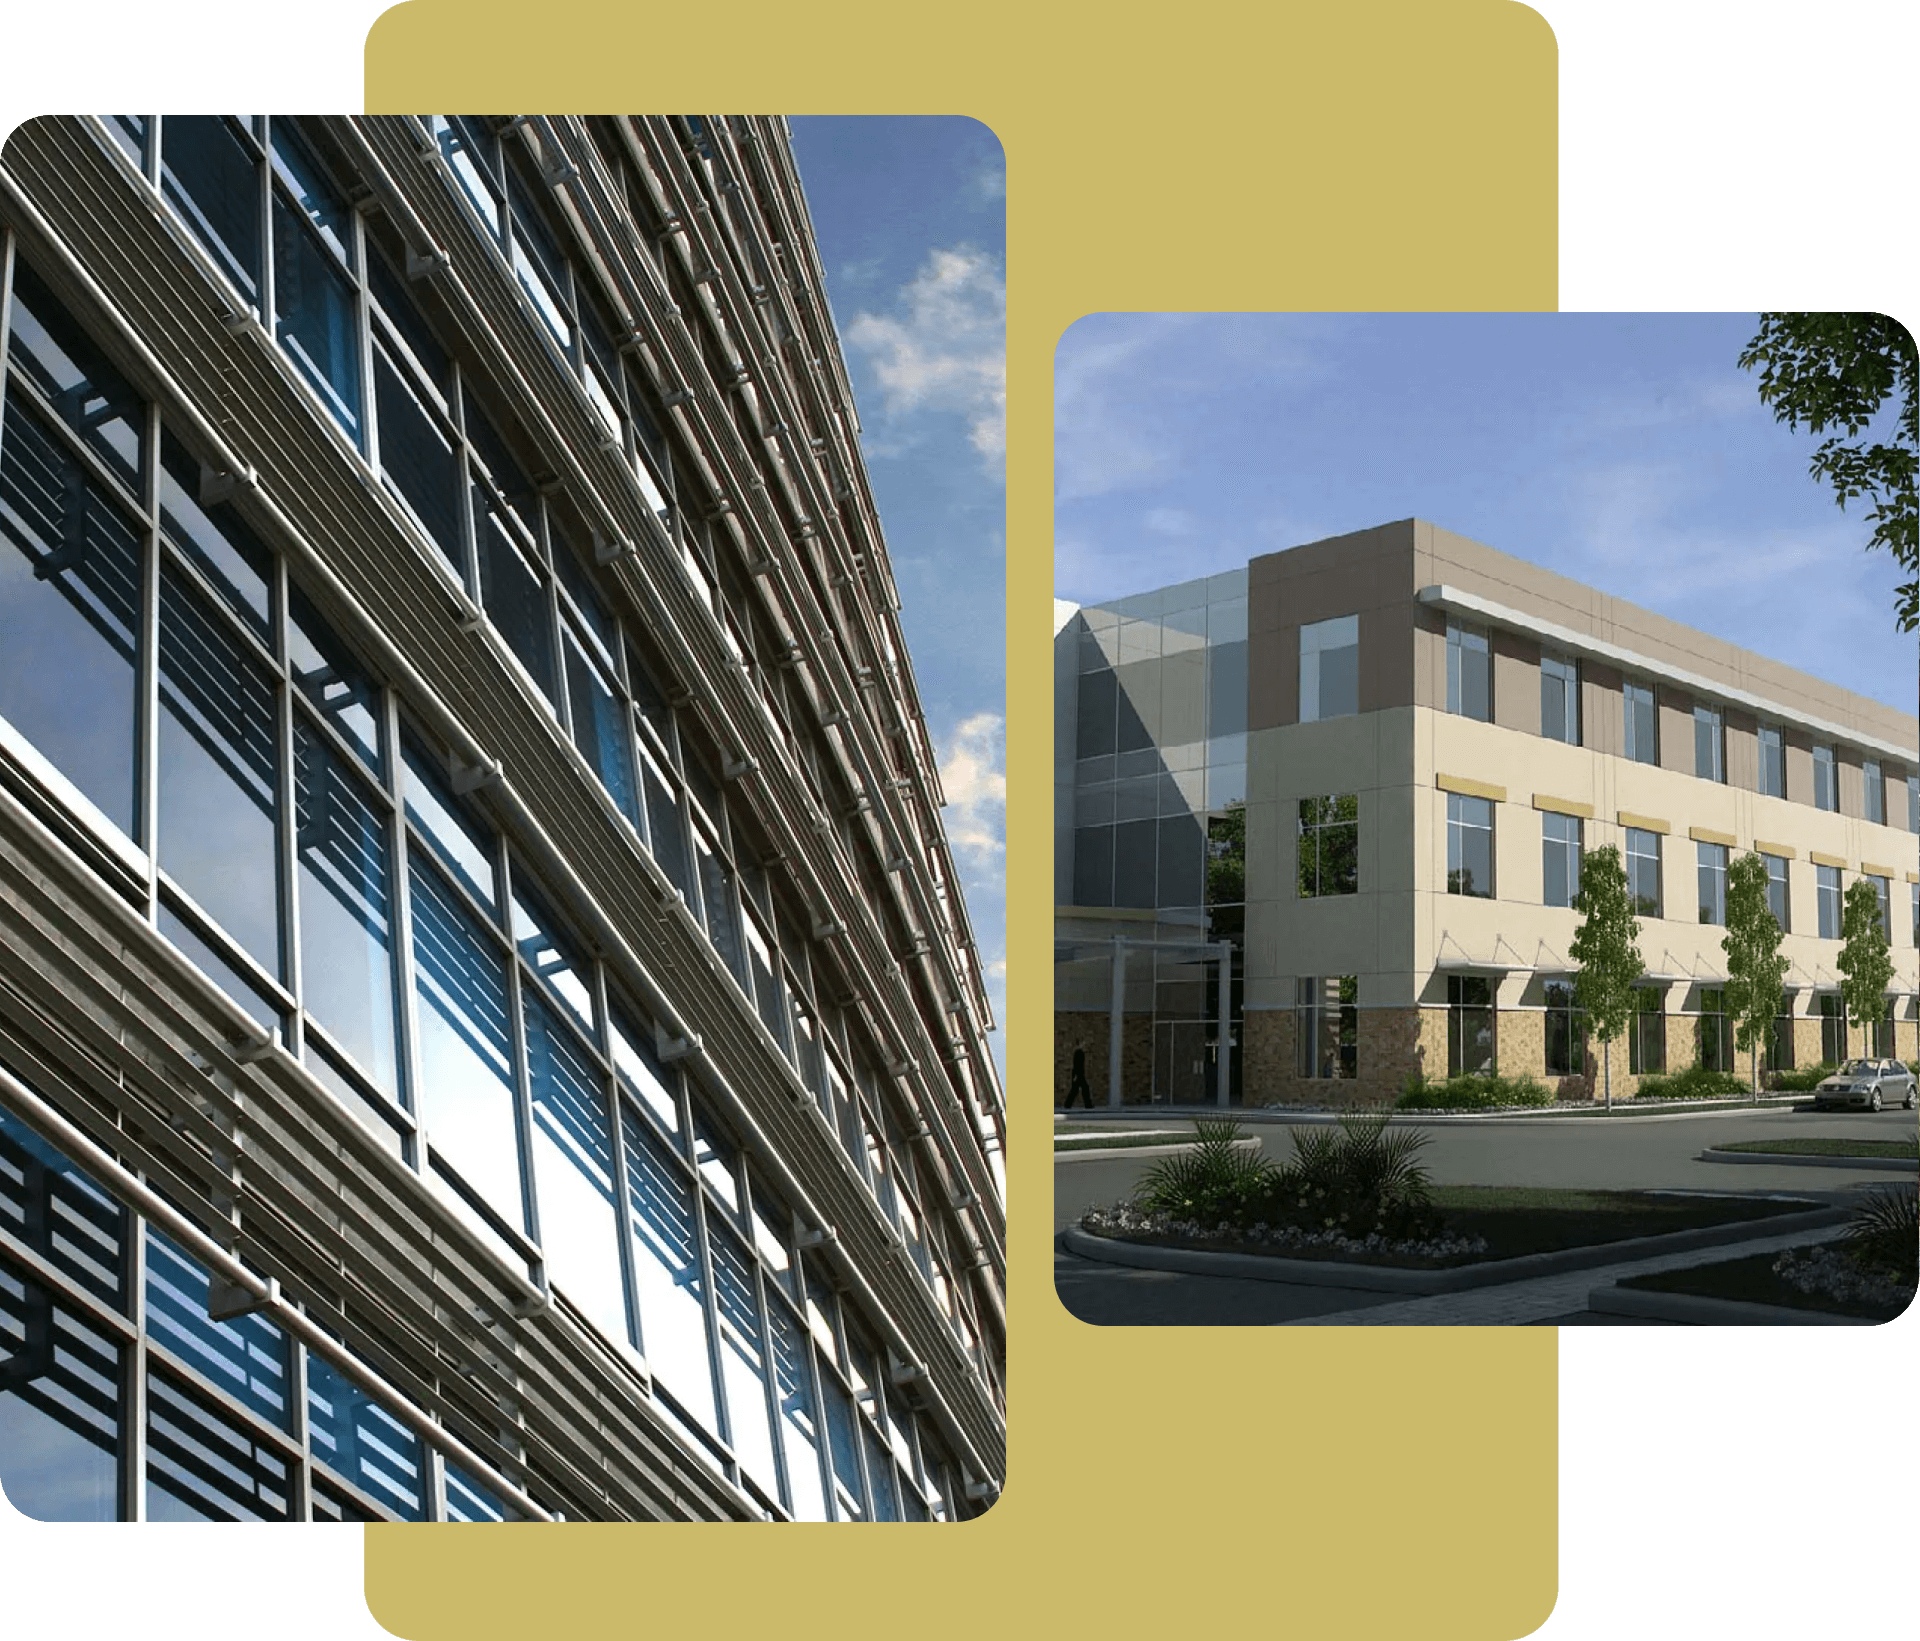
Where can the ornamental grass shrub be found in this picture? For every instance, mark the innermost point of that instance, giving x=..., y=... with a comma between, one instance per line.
x=1210, y=1181
x=1478, y=1091
x=1695, y=1083
x=1358, y=1176
x=1799, y=1082
x=1884, y=1233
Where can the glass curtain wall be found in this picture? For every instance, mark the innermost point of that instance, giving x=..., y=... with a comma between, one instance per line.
x=304, y=848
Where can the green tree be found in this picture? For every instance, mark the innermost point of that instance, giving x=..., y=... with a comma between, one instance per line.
x=1755, y=967
x=1866, y=966
x=1604, y=947
x=1833, y=372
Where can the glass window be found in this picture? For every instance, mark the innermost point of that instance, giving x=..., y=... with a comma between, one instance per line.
x=1713, y=882
x=513, y=590
x=1469, y=673
x=457, y=835
x=799, y=1420
x=551, y=954
x=473, y=153
x=1326, y=1026
x=1227, y=689
x=1329, y=846
x=1329, y=668
x=1560, y=699
x=600, y=728
x=1778, y=899
x=315, y=317
x=1874, y=791
x=1826, y=890
x=1915, y=887
x=672, y=1289
x=87, y=394
x=1643, y=871
x=666, y=829
x=417, y=456
x=245, y=1356
x=1647, y=1034
x=215, y=540
x=465, y=1100
x=1773, y=761
x=203, y=1465
x=1642, y=723
x=573, y=1173
x=1833, y=1029
x=346, y=907
x=643, y=1076
x=743, y=1359
x=1716, y=1033
x=1566, y=1033
x=337, y=687
x=1913, y=803
x=361, y=1442
x=58, y=1211
x=1709, y=744
x=70, y=574
x=1469, y=846
x=210, y=174
x=1469, y=1024
x=59, y=1408
x=1826, y=780
x=1560, y=858
x=1882, y=893
x=219, y=772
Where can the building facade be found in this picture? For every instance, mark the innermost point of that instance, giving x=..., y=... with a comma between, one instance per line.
x=1436, y=732
x=488, y=1024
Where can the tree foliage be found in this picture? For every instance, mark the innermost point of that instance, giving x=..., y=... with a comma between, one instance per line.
x=1866, y=965
x=1755, y=967
x=1832, y=373
x=1605, y=946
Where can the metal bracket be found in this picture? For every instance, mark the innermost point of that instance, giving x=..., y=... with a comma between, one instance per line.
x=468, y=778
x=678, y=1048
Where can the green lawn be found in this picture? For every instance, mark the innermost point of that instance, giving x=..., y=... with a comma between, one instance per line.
x=1895, y=1150
x=1751, y=1279
x=1517, y=1220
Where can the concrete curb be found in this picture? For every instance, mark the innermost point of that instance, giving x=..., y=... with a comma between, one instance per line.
x=1808, y=1159
x=1108, y=1153
x=1699, y=1311
x=1326, y=1273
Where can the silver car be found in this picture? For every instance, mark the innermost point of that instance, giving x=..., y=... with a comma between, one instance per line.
x=1870, y=1083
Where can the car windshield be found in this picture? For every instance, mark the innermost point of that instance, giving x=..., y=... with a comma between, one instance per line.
x=1860, y=1068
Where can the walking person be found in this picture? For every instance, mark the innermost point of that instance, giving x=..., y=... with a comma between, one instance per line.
x=1077, y=1086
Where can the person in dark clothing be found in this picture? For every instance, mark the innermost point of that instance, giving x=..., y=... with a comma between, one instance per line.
x=1077, y=1086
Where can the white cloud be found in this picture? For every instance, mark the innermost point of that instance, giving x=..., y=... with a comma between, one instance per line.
x=973, y=776
x=945, y=346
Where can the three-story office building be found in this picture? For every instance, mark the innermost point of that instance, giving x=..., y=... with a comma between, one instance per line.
x=488, y=1023
x=1434, y=734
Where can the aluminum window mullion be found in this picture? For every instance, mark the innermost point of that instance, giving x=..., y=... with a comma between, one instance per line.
x=406, y=1044
x=146, y=663
x=522, y=1070
x=133, y=1446
x=263, y=162
x=287, y=828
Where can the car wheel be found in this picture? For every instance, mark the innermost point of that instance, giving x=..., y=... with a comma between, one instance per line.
x=1874, y=1103
x=1912, y=1099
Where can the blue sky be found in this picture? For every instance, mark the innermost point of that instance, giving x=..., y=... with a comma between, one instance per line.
x=1626, y=450
x=910, y=217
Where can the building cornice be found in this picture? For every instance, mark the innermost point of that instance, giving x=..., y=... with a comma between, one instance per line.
x=1447, y=597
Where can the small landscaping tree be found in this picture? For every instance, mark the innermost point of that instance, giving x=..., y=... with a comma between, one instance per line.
x=1866, y=966
x=1605, y=948
x=1755, y=967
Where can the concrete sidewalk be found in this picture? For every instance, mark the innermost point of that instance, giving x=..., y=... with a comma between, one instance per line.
x=1517, y=1304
